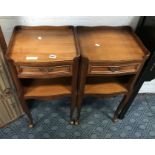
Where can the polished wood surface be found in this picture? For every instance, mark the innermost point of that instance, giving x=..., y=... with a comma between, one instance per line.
x=105, y=51
x=120, y=69
x=111, y=61
x=44, y=72
x=46, y=88
x=110, y=44
x=104, y=86
x=36, y=44
x=44, y=64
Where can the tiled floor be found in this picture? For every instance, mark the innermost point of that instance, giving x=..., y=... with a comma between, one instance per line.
x=51, y=118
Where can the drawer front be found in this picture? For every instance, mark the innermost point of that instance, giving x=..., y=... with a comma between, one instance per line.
x=26, y=71
x=113, y=69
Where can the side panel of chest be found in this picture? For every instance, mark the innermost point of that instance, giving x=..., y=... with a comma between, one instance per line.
x=9, y=105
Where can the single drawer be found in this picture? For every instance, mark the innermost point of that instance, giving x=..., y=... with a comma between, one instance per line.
x=40, y=72
x=113, y=69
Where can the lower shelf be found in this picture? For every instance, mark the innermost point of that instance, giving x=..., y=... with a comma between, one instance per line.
x=42, y=88
x=105, y=86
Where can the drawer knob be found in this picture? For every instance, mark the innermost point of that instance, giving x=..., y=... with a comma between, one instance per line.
x=43, y=69
x=50, y=69
x=113, y=69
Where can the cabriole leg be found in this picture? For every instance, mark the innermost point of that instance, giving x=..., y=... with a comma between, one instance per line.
x=28, y=113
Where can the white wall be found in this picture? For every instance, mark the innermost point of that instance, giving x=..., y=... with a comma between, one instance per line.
x=8, y=23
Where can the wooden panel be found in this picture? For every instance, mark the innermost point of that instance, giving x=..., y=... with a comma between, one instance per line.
x=113, y=69
x=44, y=88
x=104, y=86
x=43, y=44
x=110, y=44
x=44, y=72
x=9, y=105
x=44, y=52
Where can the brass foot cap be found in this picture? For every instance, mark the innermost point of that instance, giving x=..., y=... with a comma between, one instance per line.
x=115, y=120
x=71, y=122
x=77, y=122
x=31, y=125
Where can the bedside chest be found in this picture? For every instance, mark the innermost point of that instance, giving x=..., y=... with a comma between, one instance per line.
x=44, y=64
x=111, y=60
x=146, y=32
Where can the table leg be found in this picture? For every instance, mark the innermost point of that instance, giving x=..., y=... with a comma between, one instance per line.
x=28, y=113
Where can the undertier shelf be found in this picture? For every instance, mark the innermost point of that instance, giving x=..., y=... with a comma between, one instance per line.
x=42, y=88
x=106, y=86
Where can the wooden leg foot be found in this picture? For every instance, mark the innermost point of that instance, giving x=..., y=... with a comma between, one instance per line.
x=28, y=113
x=119, y=111
x=31, y=125
x=121, y=116
x=77, y=122
x=72, y=122
x=115, y=119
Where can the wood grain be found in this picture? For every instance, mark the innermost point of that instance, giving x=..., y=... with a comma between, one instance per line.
x=42, y=88
x=44, y=72
x=39, y=78
x=113, y=69
x=109, y=44
x=41, y=42
x=111, y=61
x=104, y=86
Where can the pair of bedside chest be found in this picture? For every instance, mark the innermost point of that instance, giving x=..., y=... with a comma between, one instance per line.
x=49, y=62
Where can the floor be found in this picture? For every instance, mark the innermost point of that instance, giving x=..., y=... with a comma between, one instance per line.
x=51, y=120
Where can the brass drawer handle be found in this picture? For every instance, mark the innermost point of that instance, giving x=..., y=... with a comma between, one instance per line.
x=113, y=69
x=50, y=69
x=43, y=69
x=46, y=69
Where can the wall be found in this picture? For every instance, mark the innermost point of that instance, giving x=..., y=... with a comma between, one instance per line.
x=8, y=23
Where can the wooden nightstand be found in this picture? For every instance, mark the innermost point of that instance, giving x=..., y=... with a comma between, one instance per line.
x=44, y=64
x=111, y=60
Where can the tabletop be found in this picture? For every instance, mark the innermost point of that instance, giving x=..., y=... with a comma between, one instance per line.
x=42, y=44
x=110, y=44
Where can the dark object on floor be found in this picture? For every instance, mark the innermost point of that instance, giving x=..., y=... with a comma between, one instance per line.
x=146, y=32
x=52, y=120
